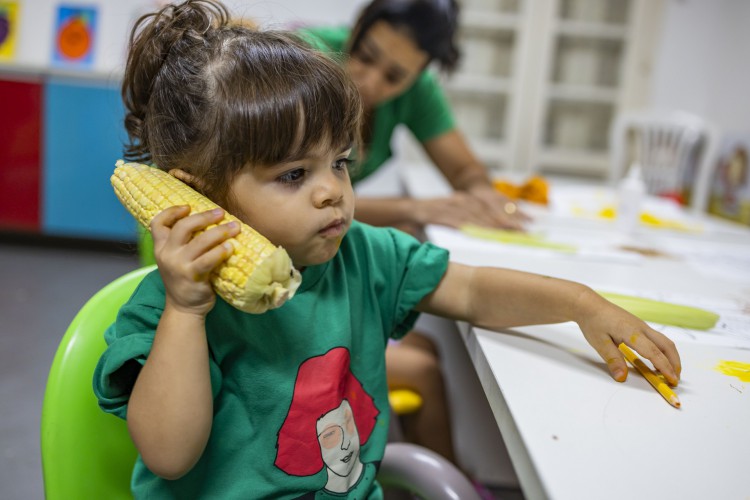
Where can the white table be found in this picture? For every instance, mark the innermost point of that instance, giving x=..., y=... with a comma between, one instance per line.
x=571, y=431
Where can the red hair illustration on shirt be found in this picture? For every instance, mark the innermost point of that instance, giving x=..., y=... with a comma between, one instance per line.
x=329, y=418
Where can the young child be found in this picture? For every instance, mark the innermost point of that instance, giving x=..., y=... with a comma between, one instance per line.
x=293, y=402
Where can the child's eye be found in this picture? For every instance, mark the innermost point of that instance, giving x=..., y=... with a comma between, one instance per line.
x=292, y=177
x=342, y=164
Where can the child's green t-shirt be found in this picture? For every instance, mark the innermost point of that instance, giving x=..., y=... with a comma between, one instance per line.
x=300, y=392
x=423, y=108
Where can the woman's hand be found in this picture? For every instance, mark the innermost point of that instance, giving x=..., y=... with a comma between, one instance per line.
x=501, y=210
x=456, y=210
x=605, y=326
x=185, y=261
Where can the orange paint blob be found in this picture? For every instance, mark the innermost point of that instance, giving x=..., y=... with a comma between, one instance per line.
x=735, y=369
x=74, y=39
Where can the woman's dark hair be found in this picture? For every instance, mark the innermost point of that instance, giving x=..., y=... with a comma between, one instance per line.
x=211, y=96
x=432, y=24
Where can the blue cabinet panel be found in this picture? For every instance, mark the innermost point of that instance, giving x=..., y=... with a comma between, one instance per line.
x=83, y=137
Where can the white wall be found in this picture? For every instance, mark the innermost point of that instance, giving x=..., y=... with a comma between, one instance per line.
x=277, y=13
x=702, y=63
x=34, y=43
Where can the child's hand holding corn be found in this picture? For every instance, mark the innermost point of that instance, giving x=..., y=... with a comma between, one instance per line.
x=186, y=259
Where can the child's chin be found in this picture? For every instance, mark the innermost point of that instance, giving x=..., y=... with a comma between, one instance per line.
x=315, y=260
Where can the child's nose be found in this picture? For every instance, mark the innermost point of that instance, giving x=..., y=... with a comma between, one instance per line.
x=329, y=191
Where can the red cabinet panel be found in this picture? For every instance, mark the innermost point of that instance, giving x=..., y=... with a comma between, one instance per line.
x=20, y=154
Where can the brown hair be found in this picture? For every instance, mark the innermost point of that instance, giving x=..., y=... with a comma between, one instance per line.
x=207, y=95
x=432, y=24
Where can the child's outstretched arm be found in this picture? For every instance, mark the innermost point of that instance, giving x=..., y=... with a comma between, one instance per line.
x=171, y=408
x=496, y=298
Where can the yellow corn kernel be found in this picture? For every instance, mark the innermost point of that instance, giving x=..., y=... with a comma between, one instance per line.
x=257, y=276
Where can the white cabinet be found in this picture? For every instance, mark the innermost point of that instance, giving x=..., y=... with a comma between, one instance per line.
x=541, y=80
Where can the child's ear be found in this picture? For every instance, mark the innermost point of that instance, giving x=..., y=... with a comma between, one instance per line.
x=187, y=178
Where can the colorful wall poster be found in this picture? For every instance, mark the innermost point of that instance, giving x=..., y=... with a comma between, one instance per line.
x=730, y=194
x=75, y=34
x=8, y=29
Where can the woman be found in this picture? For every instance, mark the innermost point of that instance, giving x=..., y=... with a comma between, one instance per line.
x=387, y=54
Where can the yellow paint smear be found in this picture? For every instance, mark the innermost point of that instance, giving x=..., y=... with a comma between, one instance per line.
x=735, y=369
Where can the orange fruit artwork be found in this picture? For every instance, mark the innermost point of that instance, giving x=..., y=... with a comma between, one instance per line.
x=74, y=39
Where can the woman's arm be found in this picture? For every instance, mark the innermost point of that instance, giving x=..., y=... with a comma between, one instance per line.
x=495, y=298
x=455, y=210
x=452, y=155
x=474, y=200
x=170, y=410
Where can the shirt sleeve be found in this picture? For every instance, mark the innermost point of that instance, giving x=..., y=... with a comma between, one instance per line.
x=428, y=113
x=402, y=271
x=425, y=266
x=129, y=340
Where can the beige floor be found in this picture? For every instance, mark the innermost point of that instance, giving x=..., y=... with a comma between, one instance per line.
x=41, y=289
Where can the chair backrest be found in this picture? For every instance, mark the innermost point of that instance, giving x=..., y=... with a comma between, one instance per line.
x=86, y=453
x=672, y=148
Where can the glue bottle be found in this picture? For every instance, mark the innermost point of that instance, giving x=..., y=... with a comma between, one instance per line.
x=630, y=193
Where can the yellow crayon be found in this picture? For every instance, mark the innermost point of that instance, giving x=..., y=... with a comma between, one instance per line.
x=656, y=381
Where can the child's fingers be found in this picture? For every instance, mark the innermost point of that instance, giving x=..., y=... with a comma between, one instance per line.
x=208, y=261
x=184, y=229
x=668, y=348
x=163, y=222
x=611, y=355
x=212, y=238
x=647, y=349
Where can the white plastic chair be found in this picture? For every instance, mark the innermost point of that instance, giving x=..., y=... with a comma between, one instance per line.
x=671, y=147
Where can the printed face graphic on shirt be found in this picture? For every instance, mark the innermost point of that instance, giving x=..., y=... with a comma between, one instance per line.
x=339, y=440
x=330, y=418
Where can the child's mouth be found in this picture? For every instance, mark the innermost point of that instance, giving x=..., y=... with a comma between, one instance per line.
x=336, y=228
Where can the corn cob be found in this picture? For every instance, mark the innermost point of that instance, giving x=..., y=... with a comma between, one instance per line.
x=664, y=313
x=257, y=276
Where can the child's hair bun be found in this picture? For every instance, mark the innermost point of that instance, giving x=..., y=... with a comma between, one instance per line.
x=192, y=19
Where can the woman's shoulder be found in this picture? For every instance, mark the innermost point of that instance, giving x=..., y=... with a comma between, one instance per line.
x=326, y=38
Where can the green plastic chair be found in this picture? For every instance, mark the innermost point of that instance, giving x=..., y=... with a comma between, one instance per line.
x=87, y=453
